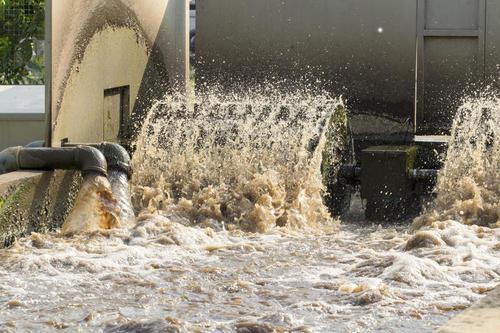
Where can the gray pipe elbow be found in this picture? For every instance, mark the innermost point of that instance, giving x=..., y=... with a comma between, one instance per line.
x=90, y=160
x=9, y=160
x=83, y=158
x=116, y=156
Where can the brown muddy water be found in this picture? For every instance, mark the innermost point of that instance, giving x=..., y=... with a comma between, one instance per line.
x=231, y=235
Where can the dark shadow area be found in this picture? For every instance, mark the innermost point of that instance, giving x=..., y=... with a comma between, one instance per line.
x=156, y=81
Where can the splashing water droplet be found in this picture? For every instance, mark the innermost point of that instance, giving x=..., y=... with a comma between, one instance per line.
x=240, y=159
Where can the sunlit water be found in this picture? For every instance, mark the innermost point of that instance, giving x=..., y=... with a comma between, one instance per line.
x=206, y=254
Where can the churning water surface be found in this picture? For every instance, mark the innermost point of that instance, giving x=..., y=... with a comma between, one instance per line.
x=231, y=234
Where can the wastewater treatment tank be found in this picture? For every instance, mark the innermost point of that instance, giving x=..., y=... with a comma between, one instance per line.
x=403, y=68
x=229, y=231
x=411, y=60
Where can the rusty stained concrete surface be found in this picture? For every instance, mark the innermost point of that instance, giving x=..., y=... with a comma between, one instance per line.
x=484, y=317
x=9, y=180
x=35, y=201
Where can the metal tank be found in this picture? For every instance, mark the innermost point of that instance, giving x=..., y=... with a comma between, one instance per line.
x=411, y=60
x=403, y=67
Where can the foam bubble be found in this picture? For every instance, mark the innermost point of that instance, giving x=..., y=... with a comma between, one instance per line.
x=244, y=160
x=468, y=188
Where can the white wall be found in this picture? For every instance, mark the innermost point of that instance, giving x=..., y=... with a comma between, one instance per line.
x=103, y=44
x=22, y=117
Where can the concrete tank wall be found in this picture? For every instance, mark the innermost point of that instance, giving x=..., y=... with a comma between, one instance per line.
x=35, y=201
x=110, y=59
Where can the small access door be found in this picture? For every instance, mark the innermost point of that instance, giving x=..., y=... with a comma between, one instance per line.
x=450, y=59
x=116, y=113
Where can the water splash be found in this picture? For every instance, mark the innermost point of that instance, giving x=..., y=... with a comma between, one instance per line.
x=120, y=188
x=161, y=273
x=240, y=160
x=95, y=208
x=182, y=267
x=468, y=188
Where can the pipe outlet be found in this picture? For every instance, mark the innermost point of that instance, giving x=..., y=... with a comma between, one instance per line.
x=117, y=157
x=83, y=158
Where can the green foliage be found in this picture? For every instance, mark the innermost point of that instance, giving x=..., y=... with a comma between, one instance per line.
x=21, y=36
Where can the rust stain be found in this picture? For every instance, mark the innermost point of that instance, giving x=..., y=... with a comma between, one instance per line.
x=108, y=210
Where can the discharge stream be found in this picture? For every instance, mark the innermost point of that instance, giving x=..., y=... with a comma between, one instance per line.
x=231, y=235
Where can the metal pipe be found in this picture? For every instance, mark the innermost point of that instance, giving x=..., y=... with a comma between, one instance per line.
x=83, y=158
x=36, y=144
x=423, y=174
x=116, y=156
x=353, y=172
x=350, y=171
x=119, y=173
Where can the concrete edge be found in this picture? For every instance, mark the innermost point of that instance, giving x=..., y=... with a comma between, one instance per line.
x=9, y=180
x=483, y=317
x=22, y=117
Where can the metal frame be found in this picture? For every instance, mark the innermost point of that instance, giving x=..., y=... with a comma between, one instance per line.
x=124, y=92
x=48, y=72
x=422, y=33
